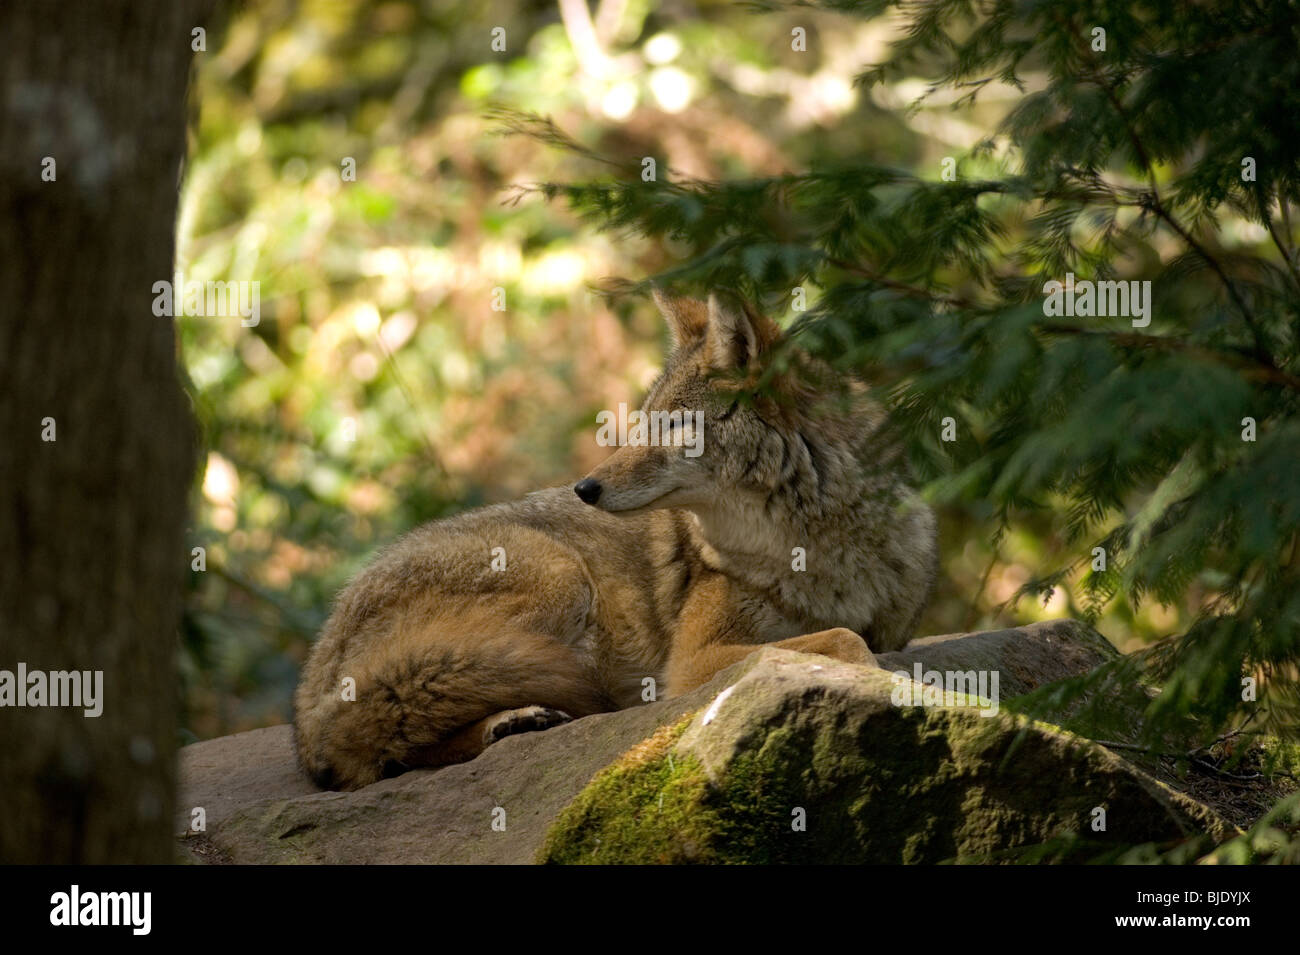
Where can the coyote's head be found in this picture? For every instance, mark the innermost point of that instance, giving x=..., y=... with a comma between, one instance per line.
x=720, y=430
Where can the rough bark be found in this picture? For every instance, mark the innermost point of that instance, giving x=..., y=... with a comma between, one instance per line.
x=91, y=523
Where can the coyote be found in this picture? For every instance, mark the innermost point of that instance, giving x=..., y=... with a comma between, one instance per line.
x=788, y=524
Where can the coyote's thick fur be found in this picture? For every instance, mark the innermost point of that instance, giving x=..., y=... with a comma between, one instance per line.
x=793, y=526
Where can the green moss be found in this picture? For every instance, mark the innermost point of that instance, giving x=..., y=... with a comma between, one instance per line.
x=642, y=808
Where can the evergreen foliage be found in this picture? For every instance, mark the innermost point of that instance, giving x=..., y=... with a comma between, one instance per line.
x=1168, y=153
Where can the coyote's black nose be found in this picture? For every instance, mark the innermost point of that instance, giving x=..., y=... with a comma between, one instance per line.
x=588, y=489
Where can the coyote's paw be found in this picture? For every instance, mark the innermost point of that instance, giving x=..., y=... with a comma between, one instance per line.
x=843, y=644
x=523, y=720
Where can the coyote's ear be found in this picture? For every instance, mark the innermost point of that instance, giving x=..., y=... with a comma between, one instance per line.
x=687, y=317
x=737, y=334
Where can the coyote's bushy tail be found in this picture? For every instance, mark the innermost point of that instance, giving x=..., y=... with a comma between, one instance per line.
x=422, y=692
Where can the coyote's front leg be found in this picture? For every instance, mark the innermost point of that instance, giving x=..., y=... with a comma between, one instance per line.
x=707, y=640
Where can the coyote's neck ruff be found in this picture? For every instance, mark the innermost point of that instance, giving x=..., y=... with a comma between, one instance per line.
x=800, y=545
x=789, y=524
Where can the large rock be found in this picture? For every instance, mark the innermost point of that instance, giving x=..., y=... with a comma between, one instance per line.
x=804, y=759
x=1024, y=657
x=932, y=778
x=260, y=808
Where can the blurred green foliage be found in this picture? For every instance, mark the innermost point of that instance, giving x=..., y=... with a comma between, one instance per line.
x=380, y=387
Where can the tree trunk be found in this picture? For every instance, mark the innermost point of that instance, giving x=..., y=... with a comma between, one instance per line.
x=92, y=522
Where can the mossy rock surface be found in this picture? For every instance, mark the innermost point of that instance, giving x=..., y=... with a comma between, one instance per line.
x=807, y=760
x=875, y=782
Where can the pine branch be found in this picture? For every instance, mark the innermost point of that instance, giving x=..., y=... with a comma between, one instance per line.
x=911, y=291
x=1251, y=367
x=1154, y=203
x=1287, y=256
